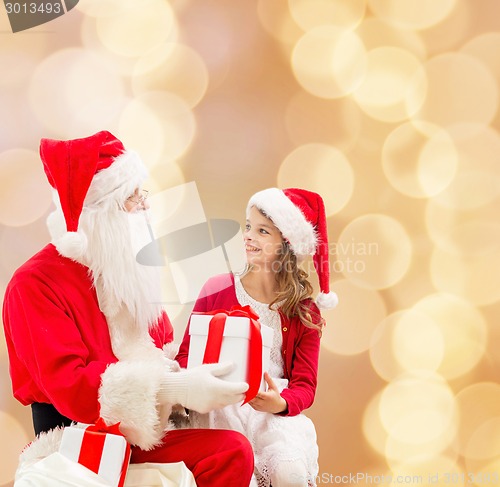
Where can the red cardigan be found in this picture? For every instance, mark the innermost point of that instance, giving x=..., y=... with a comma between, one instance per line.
x=300, y=350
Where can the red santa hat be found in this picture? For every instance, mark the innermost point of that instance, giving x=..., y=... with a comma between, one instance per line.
x=93, y=171
x=300, y=216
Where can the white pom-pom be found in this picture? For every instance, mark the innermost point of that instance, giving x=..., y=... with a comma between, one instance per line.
x=56, y=224
x=72, y=245
x=327, y=300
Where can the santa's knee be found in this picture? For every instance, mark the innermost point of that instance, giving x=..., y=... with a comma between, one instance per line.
x=241, y=448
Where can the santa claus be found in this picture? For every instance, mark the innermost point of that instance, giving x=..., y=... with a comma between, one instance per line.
x=86, y=334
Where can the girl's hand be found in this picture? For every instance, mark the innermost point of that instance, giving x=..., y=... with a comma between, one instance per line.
x=269, y=401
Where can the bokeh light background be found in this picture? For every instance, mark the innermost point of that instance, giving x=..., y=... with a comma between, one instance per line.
x=388, y=108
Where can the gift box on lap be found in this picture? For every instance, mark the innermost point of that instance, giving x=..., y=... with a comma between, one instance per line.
x=100, y=448
x=243, y=341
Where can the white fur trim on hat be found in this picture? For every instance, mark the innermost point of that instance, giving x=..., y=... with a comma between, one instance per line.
x=119, y=180
x=327, y=300
x=288, y=219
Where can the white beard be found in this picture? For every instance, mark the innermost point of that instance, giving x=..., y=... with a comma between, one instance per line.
x=114, y=239
x=113, y=244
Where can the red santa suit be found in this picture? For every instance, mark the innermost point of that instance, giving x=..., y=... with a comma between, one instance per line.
x=52, y=296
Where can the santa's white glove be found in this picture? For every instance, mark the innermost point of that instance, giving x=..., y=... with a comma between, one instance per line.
x=200, y=388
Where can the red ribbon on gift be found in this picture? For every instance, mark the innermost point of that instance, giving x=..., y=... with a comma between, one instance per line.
x=214, y=343
x=93, y=444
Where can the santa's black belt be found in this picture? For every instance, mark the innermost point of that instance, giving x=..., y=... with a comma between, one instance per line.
x=47, y=417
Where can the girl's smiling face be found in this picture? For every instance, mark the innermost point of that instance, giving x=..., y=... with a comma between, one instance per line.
x=263, y=241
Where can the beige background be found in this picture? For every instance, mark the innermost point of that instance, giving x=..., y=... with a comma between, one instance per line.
x=388, y=108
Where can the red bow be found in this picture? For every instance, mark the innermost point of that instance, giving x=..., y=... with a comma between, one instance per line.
x=101, y=427
x=214, y=342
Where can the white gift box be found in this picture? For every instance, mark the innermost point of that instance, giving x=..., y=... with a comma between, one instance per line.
x=113, y=452
x=234, y=346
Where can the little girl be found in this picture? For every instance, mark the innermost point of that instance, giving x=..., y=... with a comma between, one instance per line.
x=282, y=227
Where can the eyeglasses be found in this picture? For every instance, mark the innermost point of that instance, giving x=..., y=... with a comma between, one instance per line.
x=139, y=199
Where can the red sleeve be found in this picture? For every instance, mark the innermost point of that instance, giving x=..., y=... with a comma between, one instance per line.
x=49, y=358
x=182, y=354
x=303, y=374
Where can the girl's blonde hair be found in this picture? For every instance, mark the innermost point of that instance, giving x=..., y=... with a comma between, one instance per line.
x=294, y=289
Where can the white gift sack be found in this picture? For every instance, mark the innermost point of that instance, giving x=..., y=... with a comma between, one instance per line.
x=56, y=470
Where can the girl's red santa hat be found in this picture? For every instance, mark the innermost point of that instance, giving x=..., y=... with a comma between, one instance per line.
x=93, y=173
x=300, y=216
